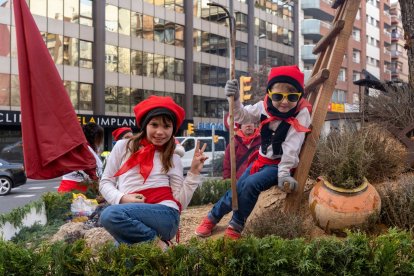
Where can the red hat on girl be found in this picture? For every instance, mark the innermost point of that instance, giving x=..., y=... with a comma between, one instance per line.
x=120, y=132
x=156, y=106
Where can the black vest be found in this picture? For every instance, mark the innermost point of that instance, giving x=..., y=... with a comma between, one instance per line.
x=276, y=138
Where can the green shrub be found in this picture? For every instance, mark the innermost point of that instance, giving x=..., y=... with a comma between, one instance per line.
x=210, y=191
x=357, y=254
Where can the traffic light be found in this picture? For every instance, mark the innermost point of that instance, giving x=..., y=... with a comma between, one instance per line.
x=245, y=86
x=215, y=139
x=190, y=129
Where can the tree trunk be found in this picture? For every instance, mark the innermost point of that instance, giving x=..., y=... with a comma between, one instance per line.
x=407, y=10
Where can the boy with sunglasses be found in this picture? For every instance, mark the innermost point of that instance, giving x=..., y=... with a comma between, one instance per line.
x=284, y=119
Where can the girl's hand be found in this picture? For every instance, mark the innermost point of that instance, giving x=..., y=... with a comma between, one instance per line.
x=132, y=198
x=198, y=159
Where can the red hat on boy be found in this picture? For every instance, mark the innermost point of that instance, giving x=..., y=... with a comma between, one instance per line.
x=289, y=74
x=120, y=132
x=156, y=106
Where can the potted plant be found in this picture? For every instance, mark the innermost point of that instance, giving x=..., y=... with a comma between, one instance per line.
x=342, y=196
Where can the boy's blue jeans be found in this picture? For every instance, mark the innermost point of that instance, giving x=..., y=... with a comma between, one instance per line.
x=249, y=188
x=139, y=222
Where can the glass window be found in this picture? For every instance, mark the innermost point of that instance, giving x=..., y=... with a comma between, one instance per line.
x=111, y=99
x=72, y=89
x=136, y=62
x=197, y=40
x=179, y=6
x=205, y=73
x=189, y=144
x=38, y=7
x=179, y=69
x=55, y=9
x=85, y=54
x=159, y=66
x=148, y=27
x=169, y=68
x=71, y=11
x=55, y=46
x=169, y=33
x=148, y=63
x=4, y=89
x=111, y=18
x=197, y=72
x=136, y=24
x=123, y=100
x=70, y=51
x=159, y=29
x=5, y=40
x=85, y=12
x=15, y=91
x=85, y=96
x=169, y=4
x=137, y=96
x=205, y=42
x=179, y=35
x=124, y=62
x=124, y=22
x=111, y=58
x=213, y=76
x=241, y=22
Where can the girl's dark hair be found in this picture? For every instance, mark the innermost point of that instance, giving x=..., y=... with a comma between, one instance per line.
x=94, y=135
x=166, y=153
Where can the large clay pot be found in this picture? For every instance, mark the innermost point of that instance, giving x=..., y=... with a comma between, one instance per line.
x=336, y=208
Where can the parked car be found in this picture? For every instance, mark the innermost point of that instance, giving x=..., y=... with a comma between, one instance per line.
x=13, y=153
x=189, y=144
x=11, y=176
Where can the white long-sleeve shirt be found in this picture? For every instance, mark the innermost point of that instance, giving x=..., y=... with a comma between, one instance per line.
x=113, y=188
x=80, y=176
x=294, y=139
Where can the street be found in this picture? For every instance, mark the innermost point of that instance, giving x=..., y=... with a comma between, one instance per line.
x=26, y=193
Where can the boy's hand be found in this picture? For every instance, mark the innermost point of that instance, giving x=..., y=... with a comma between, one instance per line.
x=232, y=89
x=287, y=184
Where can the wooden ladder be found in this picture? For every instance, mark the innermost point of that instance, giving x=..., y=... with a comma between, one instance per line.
x=319, y=88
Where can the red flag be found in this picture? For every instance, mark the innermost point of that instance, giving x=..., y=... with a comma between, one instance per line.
x=53, y=141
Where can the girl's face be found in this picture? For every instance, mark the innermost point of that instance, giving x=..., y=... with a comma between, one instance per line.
x=159, y=130
x=283, y=105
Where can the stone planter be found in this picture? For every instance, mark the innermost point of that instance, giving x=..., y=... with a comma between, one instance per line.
x=336, y=208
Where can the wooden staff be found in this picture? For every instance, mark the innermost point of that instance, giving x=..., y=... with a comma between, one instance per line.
x=232, y=20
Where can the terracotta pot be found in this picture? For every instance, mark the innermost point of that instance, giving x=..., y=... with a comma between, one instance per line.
x=336, y=208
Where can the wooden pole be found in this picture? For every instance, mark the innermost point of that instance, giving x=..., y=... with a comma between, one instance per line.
x=232, y=20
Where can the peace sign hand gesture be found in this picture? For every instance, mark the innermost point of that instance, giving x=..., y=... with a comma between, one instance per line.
x=198, y=159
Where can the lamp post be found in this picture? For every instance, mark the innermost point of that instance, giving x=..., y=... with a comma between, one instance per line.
x=257, y=53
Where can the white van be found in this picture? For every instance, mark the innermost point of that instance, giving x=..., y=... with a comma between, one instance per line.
x=189, y=143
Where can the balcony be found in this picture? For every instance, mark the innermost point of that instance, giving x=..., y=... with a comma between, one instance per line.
x=395, y=54
x=314, y=29
x=320, y=9
x=307, y=55
x=395, y=36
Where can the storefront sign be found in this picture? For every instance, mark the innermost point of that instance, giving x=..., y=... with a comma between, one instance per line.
x=14, y=118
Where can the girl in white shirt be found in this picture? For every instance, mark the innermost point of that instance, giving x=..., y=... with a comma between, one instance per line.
x=143, y=178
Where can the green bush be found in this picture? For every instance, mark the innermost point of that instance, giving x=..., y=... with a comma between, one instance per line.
x=388, y=254
x=210, y=191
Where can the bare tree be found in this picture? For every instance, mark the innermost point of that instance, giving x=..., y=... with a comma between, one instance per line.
x=407, y=10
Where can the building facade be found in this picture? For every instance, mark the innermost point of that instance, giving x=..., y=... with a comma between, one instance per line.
x=399, y=60
x=113, y=54
x=368, y=48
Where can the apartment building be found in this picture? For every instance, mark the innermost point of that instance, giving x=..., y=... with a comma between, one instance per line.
x=113, y=54
x=368, y=47
x=399, y=60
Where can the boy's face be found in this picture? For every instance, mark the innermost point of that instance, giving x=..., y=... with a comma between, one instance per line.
x=284, y=105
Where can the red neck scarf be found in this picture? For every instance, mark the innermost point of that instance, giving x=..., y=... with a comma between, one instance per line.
x=248, y=139
x=144, y=157
x=303, y=103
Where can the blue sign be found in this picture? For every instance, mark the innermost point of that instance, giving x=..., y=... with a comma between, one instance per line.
x=209, y=126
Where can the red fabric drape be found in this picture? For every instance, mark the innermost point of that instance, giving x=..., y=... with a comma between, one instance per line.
x=53, y=141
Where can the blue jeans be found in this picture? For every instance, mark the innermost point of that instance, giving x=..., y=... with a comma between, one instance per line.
x=139, y=222
x=249, y=188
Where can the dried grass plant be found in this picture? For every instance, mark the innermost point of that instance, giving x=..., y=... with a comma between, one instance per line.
x=345, y=157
